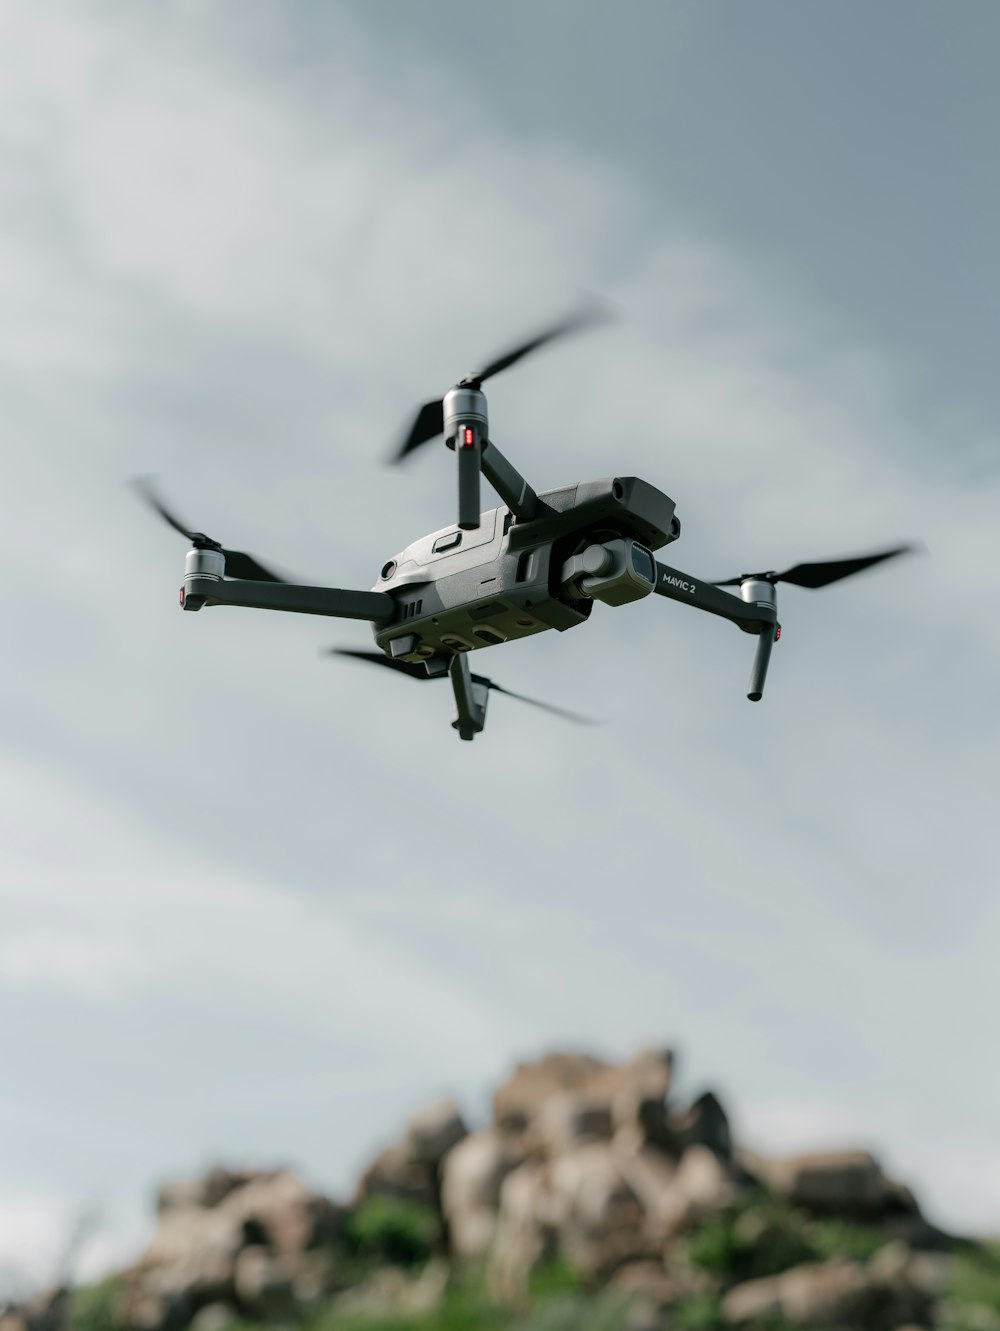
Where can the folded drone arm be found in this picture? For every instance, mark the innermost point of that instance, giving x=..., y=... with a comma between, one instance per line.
x=509, y=484
x=376, y=607
x=678, y=586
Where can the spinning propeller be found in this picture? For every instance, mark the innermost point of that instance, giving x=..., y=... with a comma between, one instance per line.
x=238, y=564
x=419, y=672
x=461, y=414
x=819, y=574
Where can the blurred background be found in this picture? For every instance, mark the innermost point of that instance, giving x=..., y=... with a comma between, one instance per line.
x=258, y=904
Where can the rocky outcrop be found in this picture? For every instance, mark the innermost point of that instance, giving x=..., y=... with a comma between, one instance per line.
x=409, y=1170
x=835, y=1293
x=586, y=1162
x=255, y=1243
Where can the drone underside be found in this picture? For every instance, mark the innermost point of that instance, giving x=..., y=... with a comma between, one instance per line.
x=537, y=562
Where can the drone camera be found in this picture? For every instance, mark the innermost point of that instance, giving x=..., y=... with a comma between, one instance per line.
x=614, y=572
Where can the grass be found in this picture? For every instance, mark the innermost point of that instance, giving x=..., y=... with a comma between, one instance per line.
x=93, y=1307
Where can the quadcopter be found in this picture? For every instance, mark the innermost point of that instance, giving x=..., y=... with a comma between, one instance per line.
x=536, y=562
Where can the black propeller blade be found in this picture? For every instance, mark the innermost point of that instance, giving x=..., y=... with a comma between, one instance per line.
x=238, y=564
x=418, y=672
x=823, y=572
x=585, y=318
x=429, y=420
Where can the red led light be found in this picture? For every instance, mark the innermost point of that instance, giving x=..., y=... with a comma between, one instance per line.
x=470, y=438
x=777, y=633
x=180, y=596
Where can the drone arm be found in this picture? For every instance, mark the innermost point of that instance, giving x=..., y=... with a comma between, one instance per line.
x=678, y=586
x=376, y=607
x=751, y=616
x=470, y=698
x=509, y=484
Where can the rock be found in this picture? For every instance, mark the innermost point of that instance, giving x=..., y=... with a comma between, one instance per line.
x=214, y=1317
x=571, y=1117
x=264, y=1284
x=639, y=1099
x=565, y=1098
x=257, y=1246
x=837, y=1293
x=702, y=1185
x=471, y=1178
x=703, y=1124
x=47, y=1310
x=847, y=1183
x=434, y=1131
x=652, y=1282
x=188, y=1263
x=650, y=1175
x=525, y=1235
x=596, y=1212
x=395, y=1173
x=391, y=1293
x=279, y=1212
x=754, y=1301
x=186, y=1236
x=206, y=1190
x=517, y=1104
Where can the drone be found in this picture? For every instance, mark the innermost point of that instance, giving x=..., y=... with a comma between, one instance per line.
x=536, y=562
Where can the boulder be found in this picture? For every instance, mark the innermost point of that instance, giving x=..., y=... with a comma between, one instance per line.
x=434, y=1131
x=47, y=1310
x=264, y=1284
x=517, y=1104
x=565, y=1098
x=704, y=1123
x=395, y=1173
x=280, y=1213
x=409, y=1170
x=472, y=1175
x=701, y=1186
x=836, y=1293
x=580, y=1206
x=525, y=1235
x=571, y=1117
x=214, y=1317
x=390, y=1294
x=205, y=1190
x=846, y=1183
x=639, y=1091
x=257, y=1247
x=189, y=1263
x=597, y=1214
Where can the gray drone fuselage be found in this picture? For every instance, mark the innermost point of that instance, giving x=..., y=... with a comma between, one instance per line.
x=458, y=590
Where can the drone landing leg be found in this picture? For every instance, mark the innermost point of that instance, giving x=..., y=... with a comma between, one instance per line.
x=758, y=673
x=470, y=699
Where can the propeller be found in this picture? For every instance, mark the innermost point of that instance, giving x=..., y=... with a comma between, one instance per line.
x=238, y=564
x=822, y=573
x=419, y=672
x=429, y=420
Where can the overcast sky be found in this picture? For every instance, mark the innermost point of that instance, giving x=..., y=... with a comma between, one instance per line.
x=258, y=905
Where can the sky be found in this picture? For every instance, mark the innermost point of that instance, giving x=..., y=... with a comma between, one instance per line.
x=257, y=905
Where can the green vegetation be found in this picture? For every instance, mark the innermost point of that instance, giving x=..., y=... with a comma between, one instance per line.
x=93, y=1307
x=390, y=1230
x=972, y=1297
x=758, y=1236
x=838, y=1238
x=555, y=1304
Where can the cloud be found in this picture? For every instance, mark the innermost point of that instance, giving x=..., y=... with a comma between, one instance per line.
x=242, y=263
